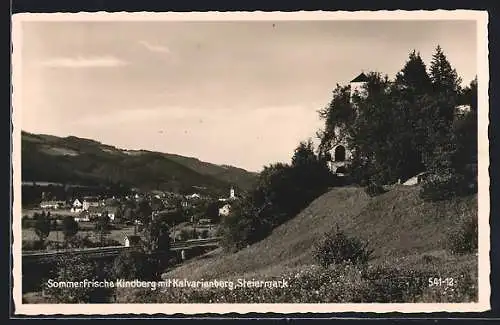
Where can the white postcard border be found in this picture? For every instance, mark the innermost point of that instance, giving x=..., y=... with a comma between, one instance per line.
x=481, y=17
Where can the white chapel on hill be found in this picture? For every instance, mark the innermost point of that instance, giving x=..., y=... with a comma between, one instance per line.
x=340, y=153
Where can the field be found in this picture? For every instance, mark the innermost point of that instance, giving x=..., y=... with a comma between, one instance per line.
x=60, y=213
x=87, y=229
x=116, y=234
x=211, y=229
x=407, y=234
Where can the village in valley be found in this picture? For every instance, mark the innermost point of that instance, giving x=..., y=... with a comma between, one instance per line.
x=190, y=216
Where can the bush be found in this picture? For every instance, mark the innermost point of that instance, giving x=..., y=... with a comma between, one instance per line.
x=391, y=284
x=55, y=245
x=33, y=245
x=42, y=226
x=76, y=269
x=244, y=226
x=139, y=264
x=26, y=222
x=110, y=242
x=130, y=265
x=79, y=242
x=336, y=247
x=464, y=240
x=185, y=234
x=70, y=227
x=438, y=188
x=374, y=189
x=204, y=233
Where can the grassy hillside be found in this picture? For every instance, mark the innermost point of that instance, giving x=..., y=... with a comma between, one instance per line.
x=407, y=234
x=396, y=224
x=76, y=160
x=289, y=245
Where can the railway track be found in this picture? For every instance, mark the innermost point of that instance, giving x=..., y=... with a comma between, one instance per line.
x=113, y=250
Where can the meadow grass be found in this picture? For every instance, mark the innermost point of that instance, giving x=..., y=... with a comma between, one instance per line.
x=342, y=283
x=407, y=234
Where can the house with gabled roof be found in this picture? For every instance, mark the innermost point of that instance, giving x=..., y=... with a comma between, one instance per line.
x=112, y=212
x=76, y=206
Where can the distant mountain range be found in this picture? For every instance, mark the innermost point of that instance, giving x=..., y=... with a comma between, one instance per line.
x=73, y=160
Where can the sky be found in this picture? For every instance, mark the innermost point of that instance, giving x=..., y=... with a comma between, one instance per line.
x=242, y=93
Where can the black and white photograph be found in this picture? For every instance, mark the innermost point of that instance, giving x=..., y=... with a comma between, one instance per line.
x=250, y=162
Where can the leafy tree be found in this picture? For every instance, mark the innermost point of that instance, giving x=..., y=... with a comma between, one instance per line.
x=310, y=175
x=276, y=189
x=70, y=228
x=119, y=213
x=157, y=204
x=25, y=222
x=246, y=224
x=212, y=210
x=304, y=154
x=144, y=211
x=337, y=116
x=370, y=134
x=157, y=234
x=282, y=191
x=42, y=226
x=128, y=213
x=102, y=226
x=204, y=233
x=130, y=265
x=162, y=234
x=174, y=216
x=184, y=235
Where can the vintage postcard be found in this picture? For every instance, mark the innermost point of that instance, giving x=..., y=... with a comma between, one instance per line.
x=236, y=162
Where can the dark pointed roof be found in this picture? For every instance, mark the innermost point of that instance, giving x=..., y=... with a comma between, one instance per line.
x=361, y=78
